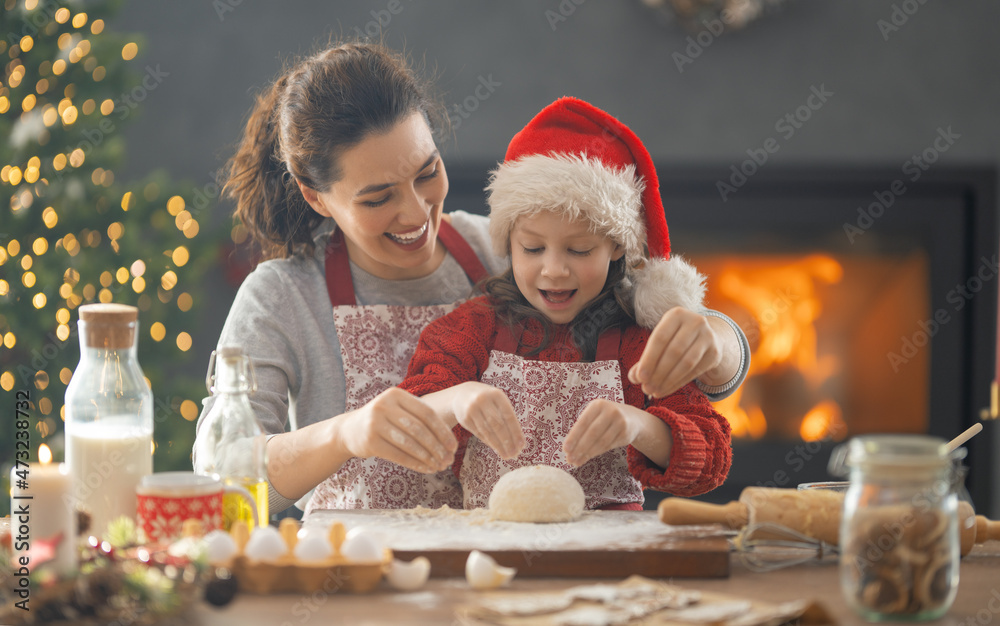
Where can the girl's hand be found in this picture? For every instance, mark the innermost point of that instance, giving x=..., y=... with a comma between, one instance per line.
x=486, y=412
x=603, y=425
x=399, y=427
x=683, y=346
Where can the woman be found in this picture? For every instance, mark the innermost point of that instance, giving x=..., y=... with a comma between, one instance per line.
x=338, y=178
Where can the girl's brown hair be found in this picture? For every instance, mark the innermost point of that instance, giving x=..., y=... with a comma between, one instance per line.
x=301, y=125
x=611, y=307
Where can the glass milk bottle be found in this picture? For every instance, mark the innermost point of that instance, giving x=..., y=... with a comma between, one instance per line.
x=109, y=416
x=231, y=446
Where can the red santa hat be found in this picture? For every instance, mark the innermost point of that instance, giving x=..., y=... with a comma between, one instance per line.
x=576, y=159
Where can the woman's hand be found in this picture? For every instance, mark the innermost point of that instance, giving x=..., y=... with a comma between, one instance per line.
x=399, y=427
x=605, y=425
x=487, y=413
x=684, y=346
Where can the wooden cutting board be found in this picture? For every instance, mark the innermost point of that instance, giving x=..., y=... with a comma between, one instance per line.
x=601, y=544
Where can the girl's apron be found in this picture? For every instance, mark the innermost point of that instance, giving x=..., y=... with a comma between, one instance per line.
x=376, y=344
x=548, y=398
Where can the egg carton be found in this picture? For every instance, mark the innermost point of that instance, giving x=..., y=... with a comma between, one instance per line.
x=290, y=575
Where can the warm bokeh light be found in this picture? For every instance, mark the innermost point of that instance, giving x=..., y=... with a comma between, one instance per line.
x=183, y=342
x=175, y=205
x=169, y=280
x=189, y=410
x=129, y=51
x=157, y=331
x=180, y=256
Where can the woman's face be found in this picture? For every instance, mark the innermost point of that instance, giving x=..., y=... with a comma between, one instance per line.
x=559, y=265
x=389, y=201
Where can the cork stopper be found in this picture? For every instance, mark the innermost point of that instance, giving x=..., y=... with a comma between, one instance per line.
x=109, y=326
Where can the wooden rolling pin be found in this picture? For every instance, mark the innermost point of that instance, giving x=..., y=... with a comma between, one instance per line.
x=812, y=512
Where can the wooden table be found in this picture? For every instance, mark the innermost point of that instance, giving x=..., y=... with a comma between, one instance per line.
x=978, y=600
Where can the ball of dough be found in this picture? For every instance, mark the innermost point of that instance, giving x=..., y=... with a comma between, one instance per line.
x=536, y=493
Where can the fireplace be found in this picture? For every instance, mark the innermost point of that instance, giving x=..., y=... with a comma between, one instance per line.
x=869, y=300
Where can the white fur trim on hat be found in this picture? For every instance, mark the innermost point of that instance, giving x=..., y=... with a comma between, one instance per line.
x=663, y=284
x=578, y=186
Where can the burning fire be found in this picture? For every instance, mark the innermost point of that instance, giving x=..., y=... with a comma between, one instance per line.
x=780, y=296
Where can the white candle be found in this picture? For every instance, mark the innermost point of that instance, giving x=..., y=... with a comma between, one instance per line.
x=41, y=508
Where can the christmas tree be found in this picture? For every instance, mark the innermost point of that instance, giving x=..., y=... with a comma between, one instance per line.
x=72, y=233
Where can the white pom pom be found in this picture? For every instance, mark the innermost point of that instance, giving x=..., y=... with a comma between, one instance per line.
x=662, y=284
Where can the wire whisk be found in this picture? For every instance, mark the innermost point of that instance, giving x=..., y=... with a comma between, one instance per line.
x=767, y=546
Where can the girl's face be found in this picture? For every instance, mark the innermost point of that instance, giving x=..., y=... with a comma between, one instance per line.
x=389, y=201
x=559, y=265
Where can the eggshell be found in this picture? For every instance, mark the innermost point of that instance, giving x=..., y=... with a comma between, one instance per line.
x=266, y=544
x=482, y=572
x=409, y=576
x=220, y=547
x=362, y=546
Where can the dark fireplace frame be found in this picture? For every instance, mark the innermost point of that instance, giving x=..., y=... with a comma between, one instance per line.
x=950, y=210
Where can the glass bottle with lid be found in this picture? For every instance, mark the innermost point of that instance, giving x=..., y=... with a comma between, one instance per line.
x=109, y=415
x=231, y=445
x=899, y=534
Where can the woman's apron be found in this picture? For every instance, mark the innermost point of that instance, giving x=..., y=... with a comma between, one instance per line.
x=376, y=344
x=548, y=398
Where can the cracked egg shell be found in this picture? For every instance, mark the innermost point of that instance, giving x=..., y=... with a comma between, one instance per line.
x=409, y=576
x=483, y=572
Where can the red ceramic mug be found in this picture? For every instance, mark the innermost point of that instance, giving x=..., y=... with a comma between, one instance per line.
x=165, y=500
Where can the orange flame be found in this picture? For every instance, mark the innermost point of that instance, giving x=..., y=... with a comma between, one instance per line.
x=782, y=297
x=44, y=454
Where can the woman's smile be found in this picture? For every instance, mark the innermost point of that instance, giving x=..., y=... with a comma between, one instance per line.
x=408, y=239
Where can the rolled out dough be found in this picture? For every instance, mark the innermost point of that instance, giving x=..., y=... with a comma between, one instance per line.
x=536, y=493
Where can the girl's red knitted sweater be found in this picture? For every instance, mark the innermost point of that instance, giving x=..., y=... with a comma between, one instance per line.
x=456, y=349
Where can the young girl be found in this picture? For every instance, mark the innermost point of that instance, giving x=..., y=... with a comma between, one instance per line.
x=576, y=206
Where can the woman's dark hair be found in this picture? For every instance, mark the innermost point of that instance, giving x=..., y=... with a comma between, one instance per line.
x=611, y=307
x=299, y=127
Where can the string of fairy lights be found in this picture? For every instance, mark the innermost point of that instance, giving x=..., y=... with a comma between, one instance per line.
x=73, y=234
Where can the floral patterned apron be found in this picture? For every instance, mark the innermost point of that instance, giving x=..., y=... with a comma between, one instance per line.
x=548, y=397
x=376, y=344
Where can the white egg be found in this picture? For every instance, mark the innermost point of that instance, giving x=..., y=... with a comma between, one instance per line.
x=266, y=544
x=409, y=576
x=220, y=547
x=482, y=572
x=362, y=546
x=312, y=548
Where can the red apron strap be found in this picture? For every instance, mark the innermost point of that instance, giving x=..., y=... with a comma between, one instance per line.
x=340, y=286
x=505, y=340
x=608, y=344
x=459, y=248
